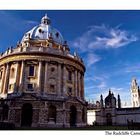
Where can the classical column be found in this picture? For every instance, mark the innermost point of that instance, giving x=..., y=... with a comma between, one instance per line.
x=46, y=78
x=75, y=82
x=6, y=81
x=59, y=80
x=78, y=82
x=3, y=76
x=39, y=76
x=21, y=79
x=64, y=79
x=82, y=86
x=17, y=76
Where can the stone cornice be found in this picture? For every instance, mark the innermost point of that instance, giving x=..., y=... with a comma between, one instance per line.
x=42, y=56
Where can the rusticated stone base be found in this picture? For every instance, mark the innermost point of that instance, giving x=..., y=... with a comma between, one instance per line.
x=44, y=113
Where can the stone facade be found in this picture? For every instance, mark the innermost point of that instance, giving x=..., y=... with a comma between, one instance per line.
x=41, y=83
x=110, y=112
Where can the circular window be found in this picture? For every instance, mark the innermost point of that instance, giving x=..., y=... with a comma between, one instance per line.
x=40, y=31
x=57, y=34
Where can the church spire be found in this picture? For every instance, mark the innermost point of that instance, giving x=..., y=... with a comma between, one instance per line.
x=135, y=93
x=134, y=83
x=134, y=86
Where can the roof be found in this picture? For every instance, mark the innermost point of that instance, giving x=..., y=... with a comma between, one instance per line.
x=43, y=32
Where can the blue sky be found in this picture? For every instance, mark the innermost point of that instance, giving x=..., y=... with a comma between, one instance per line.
x=108, y=42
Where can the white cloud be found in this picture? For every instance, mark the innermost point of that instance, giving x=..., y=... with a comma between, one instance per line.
x=92, y=59
x=103, y=37
x=132, y=68
x=31, y=22
x=101, y=85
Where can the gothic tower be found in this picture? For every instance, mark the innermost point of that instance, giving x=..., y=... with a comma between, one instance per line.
x=135, y=96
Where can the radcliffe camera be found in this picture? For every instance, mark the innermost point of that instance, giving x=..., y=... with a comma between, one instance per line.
x=73, y=70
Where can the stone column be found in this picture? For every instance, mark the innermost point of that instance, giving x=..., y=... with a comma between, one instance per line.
x=17, y=76
x=39, y=76
x=3, y=76
x=59, y=80
x=82, y=86
x=78, y=82
x=6, y=81
x=22, y=76
x=75, y=83
x=64, y=79
x=46, y=78
x=79, y=85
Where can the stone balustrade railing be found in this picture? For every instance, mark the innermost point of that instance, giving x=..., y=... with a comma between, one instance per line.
x=39, y=49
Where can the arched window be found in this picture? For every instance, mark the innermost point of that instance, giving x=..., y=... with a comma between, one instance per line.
x=31, y=71
x=52, y=114
x=109, y=119
x=5, y=111
x=69, y=76
x=12, y=75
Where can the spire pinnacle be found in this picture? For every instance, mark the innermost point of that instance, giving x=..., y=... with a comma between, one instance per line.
x=134, y=82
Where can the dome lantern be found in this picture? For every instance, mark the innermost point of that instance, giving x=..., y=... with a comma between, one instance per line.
x=45, y=20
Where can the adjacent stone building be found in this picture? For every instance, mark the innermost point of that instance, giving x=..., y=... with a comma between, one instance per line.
x=110, y=111
x=41, y=83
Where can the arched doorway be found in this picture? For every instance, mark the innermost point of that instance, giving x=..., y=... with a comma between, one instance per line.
x=52, y=114
x=109, y=119
x=26, y=115
x=5, y=111
x=83, y=115
x=73, y=116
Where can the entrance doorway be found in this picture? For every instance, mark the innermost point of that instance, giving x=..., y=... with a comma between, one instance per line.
x=73, y=116
x=109, y=119
x=26, y=115
x=52, y=114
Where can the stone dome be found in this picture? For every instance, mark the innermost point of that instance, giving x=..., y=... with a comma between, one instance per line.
x=43, y=32
x=110, y=100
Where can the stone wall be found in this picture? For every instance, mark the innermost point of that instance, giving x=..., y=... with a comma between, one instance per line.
x=40, y=108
